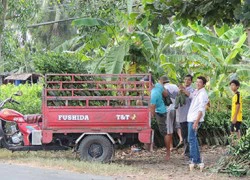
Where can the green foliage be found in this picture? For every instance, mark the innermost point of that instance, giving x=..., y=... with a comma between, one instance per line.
x=146, y=41
x=114, y=34
x=211, y=12
x=244, y=145
x=242, y=13
x=156, y=13
x=19, y=60
x=52, y=62
x=13, y=15
x=215, y=129
x=18, y=12
x=114, y=60
x=208, y=12
x=30, y=101
x=89, y=22
x=51, y=35
x=237, y=163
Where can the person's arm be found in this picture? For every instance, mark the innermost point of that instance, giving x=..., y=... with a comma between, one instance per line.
x=237, y=108
x=203, y=100
x=208, y=105
x=153, y=101
x=152, y=109
x=164, y=93
x=174, y=93
x=196, y=122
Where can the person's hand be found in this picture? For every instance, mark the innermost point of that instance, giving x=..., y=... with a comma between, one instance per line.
x=195, y=125
x=152, y=114
x=181, y=88
x=234, y=121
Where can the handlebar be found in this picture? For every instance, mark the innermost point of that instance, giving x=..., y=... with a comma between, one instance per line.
x=14, y=101
x=10, y=100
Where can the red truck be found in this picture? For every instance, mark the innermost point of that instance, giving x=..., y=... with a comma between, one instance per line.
x=86, y=112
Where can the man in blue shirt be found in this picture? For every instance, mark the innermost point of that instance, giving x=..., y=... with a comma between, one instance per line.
x=159, y=111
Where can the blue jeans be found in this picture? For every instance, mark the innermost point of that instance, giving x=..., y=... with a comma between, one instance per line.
x=193, y=144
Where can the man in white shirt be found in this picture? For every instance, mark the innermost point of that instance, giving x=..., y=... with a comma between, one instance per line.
x=172, y=90
x=195, y=117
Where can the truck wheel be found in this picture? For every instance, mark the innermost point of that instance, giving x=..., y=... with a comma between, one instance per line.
x=96, y=148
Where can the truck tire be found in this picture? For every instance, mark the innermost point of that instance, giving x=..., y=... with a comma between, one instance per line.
x=96, y=148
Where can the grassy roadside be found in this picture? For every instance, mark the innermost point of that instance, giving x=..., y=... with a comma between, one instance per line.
x=126, y=165
x=67, y=161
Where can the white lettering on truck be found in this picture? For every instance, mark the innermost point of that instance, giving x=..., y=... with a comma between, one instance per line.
x=122, y=117
x=73, y=117
x=126, y=117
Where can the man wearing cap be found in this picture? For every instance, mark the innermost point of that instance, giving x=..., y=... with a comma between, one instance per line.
x=146, y=78
x=159, y=111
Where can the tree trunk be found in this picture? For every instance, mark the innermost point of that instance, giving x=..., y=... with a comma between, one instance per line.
x=57, y=17
x=248, y=36
x=3, y=7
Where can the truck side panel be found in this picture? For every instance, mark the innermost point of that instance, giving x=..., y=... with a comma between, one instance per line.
x=95, y=118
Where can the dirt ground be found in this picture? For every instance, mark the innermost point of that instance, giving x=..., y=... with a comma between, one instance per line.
x=154, y=166
x=127, y=164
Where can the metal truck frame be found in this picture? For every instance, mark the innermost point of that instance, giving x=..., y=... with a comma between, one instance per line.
x=87, y=112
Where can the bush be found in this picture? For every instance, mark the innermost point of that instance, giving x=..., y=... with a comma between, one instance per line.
x=30, y=101
x=215, y=130
x=237, y=162
x=52, y=62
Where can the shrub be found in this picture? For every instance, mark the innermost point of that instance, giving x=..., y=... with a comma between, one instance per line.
x=30, y=101
x=52, y=62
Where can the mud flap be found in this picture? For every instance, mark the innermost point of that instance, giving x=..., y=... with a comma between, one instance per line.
x=147, y=137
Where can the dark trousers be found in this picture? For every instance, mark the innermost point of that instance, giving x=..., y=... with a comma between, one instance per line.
x=184, y=133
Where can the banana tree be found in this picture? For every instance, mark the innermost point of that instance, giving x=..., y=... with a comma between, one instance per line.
x=108, y=43
x=112, y=53
x=216, y=54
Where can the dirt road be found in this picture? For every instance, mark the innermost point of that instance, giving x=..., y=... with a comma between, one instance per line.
x=21, y=172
